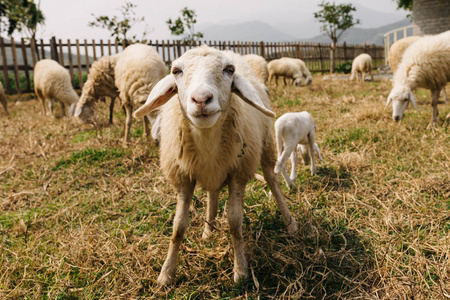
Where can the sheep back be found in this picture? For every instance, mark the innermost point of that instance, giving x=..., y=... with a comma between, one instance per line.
x=426, y=63
x=362, y=63
x=284, y=67
x=397, y=49
x=259, y=66
x=137, y=70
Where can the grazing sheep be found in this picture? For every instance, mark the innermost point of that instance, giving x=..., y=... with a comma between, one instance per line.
x=3, y=98
x=52, y=82
x=286, y=68
x=215, y=131
x=259, y=66
x=303, y=68
x=293, y=129
x=137, y=70
x=99, y=84
x=396, y=53
x=426, y=64
x=362, y=64
x=397, y=49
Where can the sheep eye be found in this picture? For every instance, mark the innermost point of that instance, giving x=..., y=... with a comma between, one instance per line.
x=229, y=69
x=176, y=71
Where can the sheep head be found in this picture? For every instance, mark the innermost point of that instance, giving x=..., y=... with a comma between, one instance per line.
x=83, y=111
x=400, y=97
x=204, y=79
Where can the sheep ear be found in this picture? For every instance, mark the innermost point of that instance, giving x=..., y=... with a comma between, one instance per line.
x=413, y=100
x=247, y=92
x=163, y=91
x=389, y=99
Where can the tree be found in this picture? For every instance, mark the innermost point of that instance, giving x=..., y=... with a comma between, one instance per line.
x=405, y=4
x=21, y=15
x=336, y=20
x=119, y=28
x=184, y=25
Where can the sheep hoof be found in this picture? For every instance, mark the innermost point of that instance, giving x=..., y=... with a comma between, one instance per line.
x=164, y=279
x=292, y=227
x=240, y=274
x=291, y=186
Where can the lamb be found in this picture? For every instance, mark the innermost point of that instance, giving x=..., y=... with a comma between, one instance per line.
x=3, y=98
x=259, y=66
x=303, y=68
x=52, y=82
x=215, y=131
x=426, y=64
x=396, y=52
x=362, y=64
x=285, y=68
x=291, y=130
x=99, y=84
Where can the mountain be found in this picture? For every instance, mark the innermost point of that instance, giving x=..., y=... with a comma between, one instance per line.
x=358, y=35
x=253, y=31
x=308, y=28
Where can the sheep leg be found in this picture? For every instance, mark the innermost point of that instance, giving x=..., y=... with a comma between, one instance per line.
x=444, y=94
x=111, y=109
x=235, y=217
x=42, y=100
x=281, y=163
x=267, y=164
x=50, y=106
x=294, y=159
x=63, y=109
x=3, y=100
x=180, y=225
x=128, y=109
x=434, y=103
x=146, y=122
x=312, y=151
x=211, y=213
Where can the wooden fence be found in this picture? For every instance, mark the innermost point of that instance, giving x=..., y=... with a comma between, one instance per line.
x=18, y=58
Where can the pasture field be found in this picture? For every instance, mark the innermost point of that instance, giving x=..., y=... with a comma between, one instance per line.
x=81, y=217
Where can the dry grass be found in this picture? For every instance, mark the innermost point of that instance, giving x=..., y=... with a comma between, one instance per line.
x=83, y=218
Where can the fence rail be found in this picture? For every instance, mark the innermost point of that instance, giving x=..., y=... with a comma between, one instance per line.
x=19, y=57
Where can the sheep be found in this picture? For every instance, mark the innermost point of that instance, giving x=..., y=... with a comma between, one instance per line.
x=303, y=68
x=362, y=64
x=426, y=64
x=137, y=70
x=3, y=98
x=396, y=53
x=215, y=131
x=397, y=49
x=99, y=84
x=291, y=130
x=52, y=82
x=286, y=68
x=259, y=66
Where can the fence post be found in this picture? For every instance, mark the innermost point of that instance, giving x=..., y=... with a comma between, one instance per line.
x=321, y=58
x=262, y=49
x=345, y=52
x=5, y=65
x=54, y=49
x=25, y=63
x=16, y=67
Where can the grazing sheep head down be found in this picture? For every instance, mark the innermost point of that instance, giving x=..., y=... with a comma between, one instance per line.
x=400, y=97
x=204, y=79
x=83, y=111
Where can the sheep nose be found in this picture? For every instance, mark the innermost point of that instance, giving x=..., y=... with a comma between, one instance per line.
x=201, y=97
x=396, y=118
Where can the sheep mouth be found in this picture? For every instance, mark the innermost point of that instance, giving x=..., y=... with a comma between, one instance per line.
x=205, y=114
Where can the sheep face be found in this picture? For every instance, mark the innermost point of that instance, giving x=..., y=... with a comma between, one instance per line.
x=204, y=79
x=84, y=112
x=309, y=80
x=400, y=97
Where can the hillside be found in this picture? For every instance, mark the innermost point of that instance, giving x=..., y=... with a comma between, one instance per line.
x=359, y=35
x=246, y=31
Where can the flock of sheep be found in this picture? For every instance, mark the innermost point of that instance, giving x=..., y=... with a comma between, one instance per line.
x=211, y=116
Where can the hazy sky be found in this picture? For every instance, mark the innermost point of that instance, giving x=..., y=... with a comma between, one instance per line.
x=69, y=19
